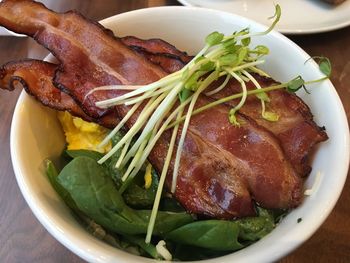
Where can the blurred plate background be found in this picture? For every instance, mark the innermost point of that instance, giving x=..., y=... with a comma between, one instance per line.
x=298, y=16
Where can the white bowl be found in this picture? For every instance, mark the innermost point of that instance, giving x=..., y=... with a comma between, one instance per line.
x=36, y=135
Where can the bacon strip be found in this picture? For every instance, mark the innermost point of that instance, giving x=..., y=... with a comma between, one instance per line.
x=295, y=128
x=227, y=179
x=156, y=46
x=35, y=76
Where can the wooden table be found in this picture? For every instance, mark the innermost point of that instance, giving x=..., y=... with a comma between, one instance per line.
x=23, y=238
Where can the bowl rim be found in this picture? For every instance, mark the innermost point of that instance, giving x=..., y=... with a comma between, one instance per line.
x=95, y=255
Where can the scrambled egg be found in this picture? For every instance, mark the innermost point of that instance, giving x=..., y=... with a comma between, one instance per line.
x=81, y=134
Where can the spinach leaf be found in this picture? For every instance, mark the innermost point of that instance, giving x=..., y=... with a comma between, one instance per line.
x=212, y=234
x=137, y=196
x=191, y=253
x=88, y=153
x=170, y=204
x=96, y=196
x=222, y=235
x=52, y=175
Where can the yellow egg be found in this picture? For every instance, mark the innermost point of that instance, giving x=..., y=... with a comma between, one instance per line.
x=81, y=134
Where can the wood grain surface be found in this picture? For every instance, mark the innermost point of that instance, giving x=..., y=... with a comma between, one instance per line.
x=24, y=239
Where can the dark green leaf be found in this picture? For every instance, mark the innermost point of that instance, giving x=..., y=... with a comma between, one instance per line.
x=246, y=41
x=139, y=197
x=192, y=253
x=52, y=175
x=212, y=234
x=295, y=84
x=325, y=66
x=88, y=153
x=96, y=196
x=171, y=205
x=184, y=94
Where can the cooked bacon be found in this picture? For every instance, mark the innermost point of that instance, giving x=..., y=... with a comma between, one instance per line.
x=232, y=165
x=35, y=76
x=295, y=128
x=83, y=49
x=156, y=46
x=158, y=52
x=169, y=63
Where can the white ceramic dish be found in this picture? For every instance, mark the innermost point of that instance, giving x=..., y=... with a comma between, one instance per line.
x=298, y=16
x=36, y=135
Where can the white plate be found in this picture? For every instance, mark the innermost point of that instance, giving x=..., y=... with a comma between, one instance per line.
x=36, y=135
x=298, y=16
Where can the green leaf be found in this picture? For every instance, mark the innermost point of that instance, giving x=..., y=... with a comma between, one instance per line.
x=246, y=41
x=229, y=43
x=244, y=31
x=95, y=195
x=222, y=235
x=184, y=94
x=209, y=66
x=192, y=83
x=214, y=38
x=295, y=84
x=228, y=60
x=139, y=197
x=233, y=48
x=325, y=66
x=212, y=234
x=242, y=55
x=261, y=50
x=88, y=153
x=52, y=175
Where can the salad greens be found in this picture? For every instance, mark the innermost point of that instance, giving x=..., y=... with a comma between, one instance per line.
x=91, y=191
